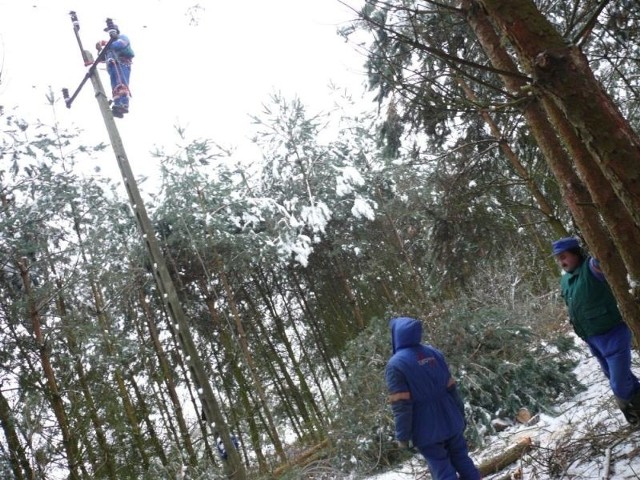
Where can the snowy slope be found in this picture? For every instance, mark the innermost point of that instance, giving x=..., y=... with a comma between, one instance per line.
x=583, y=438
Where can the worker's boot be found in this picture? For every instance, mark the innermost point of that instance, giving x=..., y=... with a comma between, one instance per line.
x=630, y=409
x=117, y=111
x=634, y=407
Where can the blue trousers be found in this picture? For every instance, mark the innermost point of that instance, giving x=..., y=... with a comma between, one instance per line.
x=613, y=351
x=449, y=459
x=119, y=73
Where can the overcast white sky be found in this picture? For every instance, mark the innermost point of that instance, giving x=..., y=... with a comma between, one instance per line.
x=207, y=77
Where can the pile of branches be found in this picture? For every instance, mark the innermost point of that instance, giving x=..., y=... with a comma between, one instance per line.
x=590, y=447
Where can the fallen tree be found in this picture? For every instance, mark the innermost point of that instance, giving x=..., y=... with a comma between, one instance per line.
x=506, y=458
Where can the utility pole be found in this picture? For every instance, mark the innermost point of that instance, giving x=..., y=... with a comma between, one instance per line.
x=166, y=288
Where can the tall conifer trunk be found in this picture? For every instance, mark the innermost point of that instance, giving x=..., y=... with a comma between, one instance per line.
x=563, y=76
x=242, y=387
x=574, y=192
x=624, y=232
x=167, y=377
x=107, y=463
x=69, y=440
x=17, y=457
x=248, y=357
x=544, y=205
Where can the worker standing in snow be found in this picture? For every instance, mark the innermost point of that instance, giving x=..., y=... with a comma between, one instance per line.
x=118, y=56
x=594, y=315
x=428, y=410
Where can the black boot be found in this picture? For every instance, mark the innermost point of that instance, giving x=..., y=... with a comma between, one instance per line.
x=630, y=410
x=634, y=407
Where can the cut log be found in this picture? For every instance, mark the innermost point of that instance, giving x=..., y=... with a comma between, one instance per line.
x=523, y=415
x=506, y=458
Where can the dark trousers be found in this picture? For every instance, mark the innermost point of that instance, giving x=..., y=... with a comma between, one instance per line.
x=449, y=459
x=613, y=351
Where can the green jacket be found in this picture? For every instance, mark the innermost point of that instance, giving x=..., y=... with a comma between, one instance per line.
x=592, y=307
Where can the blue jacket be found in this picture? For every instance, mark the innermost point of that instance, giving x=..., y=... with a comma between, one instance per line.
x=421, y=390
x=120, y=50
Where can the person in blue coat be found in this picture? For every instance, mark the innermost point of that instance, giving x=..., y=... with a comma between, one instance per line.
x=118, y=57
x=428, y=411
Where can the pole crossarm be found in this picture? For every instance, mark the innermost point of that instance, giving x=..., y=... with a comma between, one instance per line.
x=86, y=56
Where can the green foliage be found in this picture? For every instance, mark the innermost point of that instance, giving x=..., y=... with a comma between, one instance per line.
x=364, y=431
x=502, y=358
x=503, y=363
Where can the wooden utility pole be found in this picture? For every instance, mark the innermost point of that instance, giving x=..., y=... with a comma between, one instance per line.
x=166, y=288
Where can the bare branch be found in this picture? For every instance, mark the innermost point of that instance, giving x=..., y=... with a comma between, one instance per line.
x=583, y=34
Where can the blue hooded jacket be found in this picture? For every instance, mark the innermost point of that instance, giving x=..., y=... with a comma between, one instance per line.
x=430, y=412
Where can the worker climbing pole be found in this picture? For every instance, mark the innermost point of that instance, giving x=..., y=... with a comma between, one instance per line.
x=119, y=55
x=166, y=288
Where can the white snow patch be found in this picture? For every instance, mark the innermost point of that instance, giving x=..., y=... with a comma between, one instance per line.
x=316, y=216
x=300, y=248
x=348, y=178
x=362, y=208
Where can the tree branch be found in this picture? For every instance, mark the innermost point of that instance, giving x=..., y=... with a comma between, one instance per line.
x=581, y=37
x=452, y=60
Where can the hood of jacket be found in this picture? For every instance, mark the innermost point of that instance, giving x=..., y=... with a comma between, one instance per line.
x=405, y=332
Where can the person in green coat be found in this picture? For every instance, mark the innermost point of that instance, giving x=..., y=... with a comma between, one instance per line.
x=596, y=319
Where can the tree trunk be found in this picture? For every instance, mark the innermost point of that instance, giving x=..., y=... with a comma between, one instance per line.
x=574, y=192
x=151, y=431
x=317, y=333
x=167, y=377
x=351, y=297
x=624, y=232
x=105, y=327
x=562, y=75
x=311, y=365
x=257, y=383
x=227, y=349
x=69, y=440
x=292, y=391
x=506, y=458
x=107, y=457
x=284, y=340
x=19, y=463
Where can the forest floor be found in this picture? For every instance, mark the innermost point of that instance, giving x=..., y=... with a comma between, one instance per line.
x=583, y=438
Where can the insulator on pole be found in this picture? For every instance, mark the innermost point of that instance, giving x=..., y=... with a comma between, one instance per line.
x=65, y=95
x=74, y=20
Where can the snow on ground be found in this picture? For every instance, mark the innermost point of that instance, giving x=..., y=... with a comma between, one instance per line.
x=583, y=438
